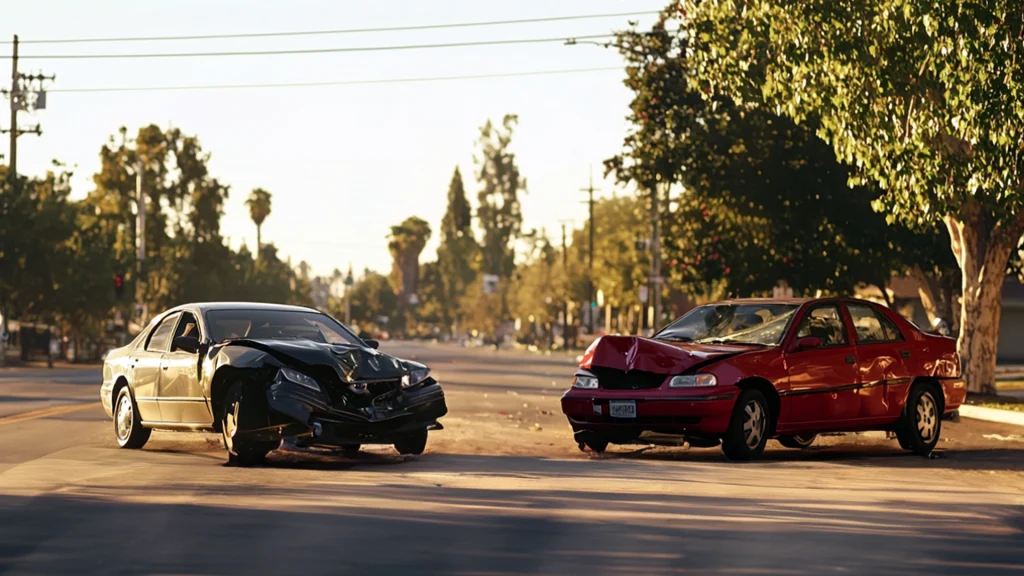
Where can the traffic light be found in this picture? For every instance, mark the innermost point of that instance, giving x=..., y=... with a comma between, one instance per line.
x=119, y=285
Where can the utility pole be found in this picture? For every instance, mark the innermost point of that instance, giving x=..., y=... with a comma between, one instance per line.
x=565, y=296
x=21, y=88
x=140, y=242
x=590, y=259
x=12, y=161
x=656, y=279
x=349, y=281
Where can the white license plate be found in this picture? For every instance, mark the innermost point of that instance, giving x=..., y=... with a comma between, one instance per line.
x=622, y=408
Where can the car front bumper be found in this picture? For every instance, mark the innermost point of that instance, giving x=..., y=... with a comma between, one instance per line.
x=314, y=421
x=696, y=412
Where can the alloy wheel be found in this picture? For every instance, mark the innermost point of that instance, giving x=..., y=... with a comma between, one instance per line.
x=753, y=424
x=124, y=418
x=927, y=419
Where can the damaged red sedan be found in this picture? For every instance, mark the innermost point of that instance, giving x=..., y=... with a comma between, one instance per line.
x=740, y=372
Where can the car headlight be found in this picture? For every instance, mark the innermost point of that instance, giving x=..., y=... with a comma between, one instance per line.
x=587, y=382
x=415, y=377
x=692, y=380
x=300, y=379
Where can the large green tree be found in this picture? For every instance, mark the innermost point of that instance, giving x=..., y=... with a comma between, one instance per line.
x=762, y=199
x=925, y=98
x=499, y=214
x=405, y=243
x=456, y=256
x=258, y=203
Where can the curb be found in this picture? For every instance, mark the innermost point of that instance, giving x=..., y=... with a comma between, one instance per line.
x=992, y=415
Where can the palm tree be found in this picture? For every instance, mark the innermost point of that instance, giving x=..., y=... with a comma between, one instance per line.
x=259, y=210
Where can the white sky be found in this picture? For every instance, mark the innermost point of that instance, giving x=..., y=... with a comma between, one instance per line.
x=343, y=162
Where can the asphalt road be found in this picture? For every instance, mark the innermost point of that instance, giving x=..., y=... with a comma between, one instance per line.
x=502, y=490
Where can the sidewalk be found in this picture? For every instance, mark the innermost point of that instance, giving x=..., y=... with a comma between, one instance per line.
x=992, y=415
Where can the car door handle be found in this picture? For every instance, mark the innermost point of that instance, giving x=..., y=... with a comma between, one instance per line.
x=905, y=353
x=851, y=360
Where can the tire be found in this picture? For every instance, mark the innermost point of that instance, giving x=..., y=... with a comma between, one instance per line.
x=128, y=428
x=350, y=450
x=597, y=445
x=749, y=427
x=414, y=443
x=920, y=424
x=241, y=450
x=798, y=441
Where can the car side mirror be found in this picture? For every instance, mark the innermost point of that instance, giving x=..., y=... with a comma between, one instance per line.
x=372, y=343
x=806, y=343
x=189, y=344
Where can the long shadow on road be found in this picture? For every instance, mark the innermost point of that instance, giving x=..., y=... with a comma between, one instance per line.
x=449, y=526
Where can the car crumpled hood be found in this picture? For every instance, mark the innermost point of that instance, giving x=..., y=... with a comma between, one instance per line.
x=628, y=353
x=351, y=362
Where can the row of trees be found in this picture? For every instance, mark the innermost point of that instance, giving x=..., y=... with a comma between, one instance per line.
x=916, y=106
x=827, y=145
x=60, y=256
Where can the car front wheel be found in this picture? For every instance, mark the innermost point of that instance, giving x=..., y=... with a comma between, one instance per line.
x=414, y=443
x=242, y=451
x=127, y=424
x=799, y=441
x=921, y=422
x=748, y=428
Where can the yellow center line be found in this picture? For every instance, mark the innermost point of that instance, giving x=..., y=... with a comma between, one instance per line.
x=45, y=412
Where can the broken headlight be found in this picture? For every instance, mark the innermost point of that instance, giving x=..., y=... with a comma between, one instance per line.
x=691, y=380
x=300, y=379
x=415, y=377
x=584, y=381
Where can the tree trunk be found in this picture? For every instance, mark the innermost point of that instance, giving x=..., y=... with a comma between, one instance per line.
x=884, y=288
x=259, y=241
x=982, y=248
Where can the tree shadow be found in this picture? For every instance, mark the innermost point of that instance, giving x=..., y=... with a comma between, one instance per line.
x=501, y=523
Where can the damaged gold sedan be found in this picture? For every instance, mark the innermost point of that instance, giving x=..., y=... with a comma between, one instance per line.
x=263, y=374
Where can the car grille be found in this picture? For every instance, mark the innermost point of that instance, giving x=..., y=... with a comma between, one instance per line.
x=614, y=379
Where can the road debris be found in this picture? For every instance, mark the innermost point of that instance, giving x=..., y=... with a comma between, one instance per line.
x=1010, y=438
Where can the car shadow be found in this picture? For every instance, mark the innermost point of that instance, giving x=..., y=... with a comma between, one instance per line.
x=1006, y=459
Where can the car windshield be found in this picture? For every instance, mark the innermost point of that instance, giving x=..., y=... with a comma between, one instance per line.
x=278, y=325
x=760, y=324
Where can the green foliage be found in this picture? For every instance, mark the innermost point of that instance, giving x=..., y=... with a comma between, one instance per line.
x=762, y=198
x=499, y=212
x=60, y=256
x=925, y=99
x=406, y=242
x=372, y=298
x=619, y=268
x=258, y=203
x=457, y=253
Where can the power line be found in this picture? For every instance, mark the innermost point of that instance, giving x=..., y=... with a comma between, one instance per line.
x=341, y=82
x=316, y=50
x=336, y=32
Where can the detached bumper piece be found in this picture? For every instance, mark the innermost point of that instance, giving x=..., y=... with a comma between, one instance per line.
x=382, y=419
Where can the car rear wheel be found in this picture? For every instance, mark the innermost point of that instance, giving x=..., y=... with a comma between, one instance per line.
x=799, y=441
x=921, y=422
x=242, y=451
x=748, y=428
x=414, y=443
x=127, y=425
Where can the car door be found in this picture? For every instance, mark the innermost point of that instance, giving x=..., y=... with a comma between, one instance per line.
x=181, y=396
x=882, y=372
x=146, y=369
x=823, y=380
